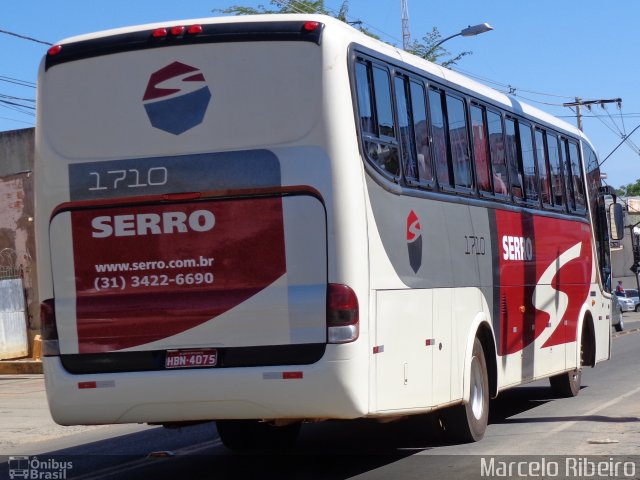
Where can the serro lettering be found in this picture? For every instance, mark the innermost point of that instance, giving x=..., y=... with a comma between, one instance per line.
x=517, y=248
x=152, y=224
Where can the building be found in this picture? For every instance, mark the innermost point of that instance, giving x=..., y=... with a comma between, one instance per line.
x=17, y=244
x=622, y=258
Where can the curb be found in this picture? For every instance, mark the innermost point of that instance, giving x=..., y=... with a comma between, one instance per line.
x=20, y=367
x=626, y=332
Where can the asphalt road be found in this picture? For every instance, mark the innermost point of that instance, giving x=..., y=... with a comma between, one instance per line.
x=603, y=420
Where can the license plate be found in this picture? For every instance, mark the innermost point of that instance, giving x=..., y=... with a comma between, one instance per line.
x=191, y=358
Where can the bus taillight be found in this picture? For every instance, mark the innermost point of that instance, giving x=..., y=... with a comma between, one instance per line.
x=160, y=33
x=50, y=346
x=311, y=26
x=54, y=50
x=342, y=314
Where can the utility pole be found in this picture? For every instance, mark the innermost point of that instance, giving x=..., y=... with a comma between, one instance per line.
x=587, y=103
x=406, y=34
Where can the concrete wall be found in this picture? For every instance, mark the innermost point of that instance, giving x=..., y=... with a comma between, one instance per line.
x=16, y=151
x=17, y=211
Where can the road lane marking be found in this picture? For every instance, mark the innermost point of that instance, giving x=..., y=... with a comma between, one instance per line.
x=566, y=425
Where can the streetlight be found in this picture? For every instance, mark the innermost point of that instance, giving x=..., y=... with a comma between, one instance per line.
x=468, y=32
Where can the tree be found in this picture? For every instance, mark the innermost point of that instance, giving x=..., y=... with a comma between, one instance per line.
x=427, y=48
x=630, y=190
x=300, y=6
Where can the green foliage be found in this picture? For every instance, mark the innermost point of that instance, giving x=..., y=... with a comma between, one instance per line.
x=429, y=50
x=426, y=48
x=279, y=6
x=630, y=190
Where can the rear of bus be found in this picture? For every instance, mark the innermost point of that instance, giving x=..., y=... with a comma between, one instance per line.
x=189, y=221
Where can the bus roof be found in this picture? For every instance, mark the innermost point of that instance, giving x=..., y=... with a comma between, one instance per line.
x=351, y=35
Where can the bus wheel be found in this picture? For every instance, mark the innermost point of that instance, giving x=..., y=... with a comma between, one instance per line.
x=257, y=435
x=468, y=422
x=566, y=384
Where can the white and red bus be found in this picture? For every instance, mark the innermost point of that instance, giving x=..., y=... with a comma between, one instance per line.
x=273, y=219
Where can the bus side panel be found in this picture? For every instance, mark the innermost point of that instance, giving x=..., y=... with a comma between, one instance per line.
x=534, y=272
x=404, y=355
x=545, y=269
x=426, y=264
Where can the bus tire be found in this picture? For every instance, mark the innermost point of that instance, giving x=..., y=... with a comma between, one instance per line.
x=468, y=422
x=567, y=384
x=241, y=435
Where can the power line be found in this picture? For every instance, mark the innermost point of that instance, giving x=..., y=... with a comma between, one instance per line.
x=9, y=97
x=7, y=102
x=618, y=146
x=17, y=81
x=16, y=120
x=510, y=88
x=24, y=37
x=625, y=115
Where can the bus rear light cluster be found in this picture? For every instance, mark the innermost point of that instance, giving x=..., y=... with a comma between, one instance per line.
x=50, y=345
x=342, y=314
x=176, y=31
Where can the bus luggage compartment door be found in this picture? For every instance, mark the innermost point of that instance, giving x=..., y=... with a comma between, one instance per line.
x=214, y=273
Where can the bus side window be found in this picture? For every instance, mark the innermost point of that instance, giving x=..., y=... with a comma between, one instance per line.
x=365, y=110
x=384, y=110
x=528, y=163
x=543, y=169
x=566, y=171
x=376, y=117
x=481, y=148
x=459, y=142
x=439, y=136
x=408, y=155
x=576, y=176
x=498, y=157
x=421, y=131
x=555, y=166
x=515, y=175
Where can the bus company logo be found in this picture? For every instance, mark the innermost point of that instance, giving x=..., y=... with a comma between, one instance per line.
x=517, y=248
x=152, y=224
x=414, y=241
x=176, y=98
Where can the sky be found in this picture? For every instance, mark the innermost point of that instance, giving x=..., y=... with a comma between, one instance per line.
x=546, y=51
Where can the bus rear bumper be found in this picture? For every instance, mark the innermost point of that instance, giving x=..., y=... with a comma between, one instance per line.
x=319, y=391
